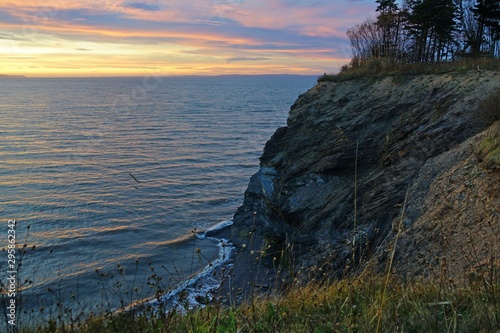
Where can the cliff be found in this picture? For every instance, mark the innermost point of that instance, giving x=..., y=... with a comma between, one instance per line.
x=332, y=183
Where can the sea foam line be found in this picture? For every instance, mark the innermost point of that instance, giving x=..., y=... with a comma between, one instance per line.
x=197, y=290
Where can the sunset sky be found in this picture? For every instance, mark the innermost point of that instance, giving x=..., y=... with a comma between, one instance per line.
x=208, y=37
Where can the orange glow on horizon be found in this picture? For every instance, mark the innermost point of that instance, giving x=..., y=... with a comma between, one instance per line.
x=113, y=38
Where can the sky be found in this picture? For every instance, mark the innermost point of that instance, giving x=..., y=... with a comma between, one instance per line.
x=78, y=38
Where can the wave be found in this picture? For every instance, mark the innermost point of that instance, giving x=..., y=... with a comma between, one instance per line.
x=197, y=290
x=213, y=230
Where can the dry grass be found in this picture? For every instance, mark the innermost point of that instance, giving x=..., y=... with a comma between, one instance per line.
x=348, y=305
x=345, y=306
x=366, y=302
x=378, y=68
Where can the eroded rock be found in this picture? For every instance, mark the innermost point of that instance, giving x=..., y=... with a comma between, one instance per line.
x=338, y=174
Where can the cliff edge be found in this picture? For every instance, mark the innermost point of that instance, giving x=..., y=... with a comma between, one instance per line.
x=332, y=184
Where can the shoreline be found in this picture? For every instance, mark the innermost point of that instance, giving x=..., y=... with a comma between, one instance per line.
x=236, y=276
x=201, y=288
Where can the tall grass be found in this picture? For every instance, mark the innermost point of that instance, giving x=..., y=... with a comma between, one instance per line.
x=367, y=302
x=350, y=305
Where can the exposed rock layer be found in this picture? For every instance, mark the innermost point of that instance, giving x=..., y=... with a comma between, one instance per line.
x=338, y=173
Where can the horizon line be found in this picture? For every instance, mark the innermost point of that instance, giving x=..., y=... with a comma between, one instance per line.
x=24, y=76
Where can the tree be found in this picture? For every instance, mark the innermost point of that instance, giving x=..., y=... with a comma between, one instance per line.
x=431, y=25
x=389, y=21
x=387, y=5
x=427, y=31
x=466, y=34
x=366, y=39
x=487, y=13
x=444, y=14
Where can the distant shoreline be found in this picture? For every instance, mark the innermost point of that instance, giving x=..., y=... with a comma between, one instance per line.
x=4, y=76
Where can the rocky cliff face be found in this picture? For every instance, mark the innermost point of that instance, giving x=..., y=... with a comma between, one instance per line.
x=334, y=180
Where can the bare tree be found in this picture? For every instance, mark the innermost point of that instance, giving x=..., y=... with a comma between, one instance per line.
x=366, y=42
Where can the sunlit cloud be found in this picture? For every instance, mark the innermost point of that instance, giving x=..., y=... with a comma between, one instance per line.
x=113, y=37
x=247, y=59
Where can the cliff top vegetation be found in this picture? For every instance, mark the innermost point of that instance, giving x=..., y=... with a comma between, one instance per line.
x=425, y=37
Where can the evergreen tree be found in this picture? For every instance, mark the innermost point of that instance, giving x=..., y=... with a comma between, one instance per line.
x=445, y=14
x=487, y=13
x=390, y=20
x=428, y=31
x=385, y=6
x=432, y=23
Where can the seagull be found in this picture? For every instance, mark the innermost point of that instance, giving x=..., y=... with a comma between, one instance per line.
x=131, y=175
x=480, y=70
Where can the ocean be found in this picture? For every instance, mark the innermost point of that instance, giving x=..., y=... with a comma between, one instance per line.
x=108, y=179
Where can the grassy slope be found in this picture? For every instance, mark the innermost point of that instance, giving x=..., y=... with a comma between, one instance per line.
x=350, y=305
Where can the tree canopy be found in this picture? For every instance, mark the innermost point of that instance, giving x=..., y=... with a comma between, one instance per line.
x=428, y=31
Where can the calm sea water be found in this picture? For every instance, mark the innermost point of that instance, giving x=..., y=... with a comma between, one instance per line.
x=114, y=174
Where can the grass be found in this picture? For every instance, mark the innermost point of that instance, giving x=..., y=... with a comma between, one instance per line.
x=377, y=68
x=350, y=305
x=365, y=302
x=488, y=150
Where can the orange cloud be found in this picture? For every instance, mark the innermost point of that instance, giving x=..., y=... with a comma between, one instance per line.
x=109, y=37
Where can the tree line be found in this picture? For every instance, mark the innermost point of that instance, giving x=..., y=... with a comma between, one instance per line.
x=428, y=31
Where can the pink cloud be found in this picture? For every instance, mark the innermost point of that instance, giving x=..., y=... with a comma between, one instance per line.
x=303, y=35
x=312, y=18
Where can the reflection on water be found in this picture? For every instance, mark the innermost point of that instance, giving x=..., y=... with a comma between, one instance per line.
x=106, y=178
